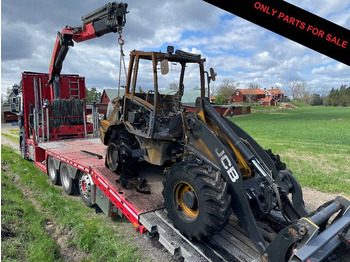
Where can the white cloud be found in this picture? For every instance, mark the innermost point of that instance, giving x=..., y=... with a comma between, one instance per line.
x=236, y=48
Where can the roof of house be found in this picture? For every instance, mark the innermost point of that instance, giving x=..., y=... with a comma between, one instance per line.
x=113, y=92
x=266, y=99
x=189, y=96
x=275, y=91
x=251, y=91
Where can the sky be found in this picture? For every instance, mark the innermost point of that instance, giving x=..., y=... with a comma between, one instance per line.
x=238, y=50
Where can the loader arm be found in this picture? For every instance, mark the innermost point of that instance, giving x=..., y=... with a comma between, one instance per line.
x=104, y=20
x=305, y=233
x=294, y=23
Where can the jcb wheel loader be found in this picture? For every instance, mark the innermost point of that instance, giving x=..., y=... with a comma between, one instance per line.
x=212, y=167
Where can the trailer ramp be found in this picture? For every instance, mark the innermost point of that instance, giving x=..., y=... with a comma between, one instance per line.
x=230, y=244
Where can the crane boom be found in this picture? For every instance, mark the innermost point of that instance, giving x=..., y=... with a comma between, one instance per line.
x=294, y=23
x=106, y=19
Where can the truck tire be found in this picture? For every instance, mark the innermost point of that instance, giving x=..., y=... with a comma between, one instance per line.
x=196, y=199
x=85, y=187
x=66, y=181
x=23, y=150
x=53, y=172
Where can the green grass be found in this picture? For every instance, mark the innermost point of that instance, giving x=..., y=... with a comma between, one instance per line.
x=23, y=237
x=314, y=142
x=14, y=131
x=11, y=137
x=87, y=232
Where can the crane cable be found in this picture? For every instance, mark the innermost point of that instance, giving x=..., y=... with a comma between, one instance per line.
x=121, y=42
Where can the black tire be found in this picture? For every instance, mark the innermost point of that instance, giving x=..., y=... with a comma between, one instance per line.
x=67, y=182
x=276, y=160
x=53, y=172
x=85, y=187
x=113, y=153
x=196, y=199
x=23, y=150
x=123, y=142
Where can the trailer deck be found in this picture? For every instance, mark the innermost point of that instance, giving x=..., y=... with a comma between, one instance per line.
x=146, y=211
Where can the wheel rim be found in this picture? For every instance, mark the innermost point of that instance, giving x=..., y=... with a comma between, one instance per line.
x=85, y=185
x=113, y=157
x=65, y=177
x=186, y=200
x=52, y=169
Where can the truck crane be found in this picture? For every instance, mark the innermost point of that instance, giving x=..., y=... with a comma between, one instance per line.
x=107, y=19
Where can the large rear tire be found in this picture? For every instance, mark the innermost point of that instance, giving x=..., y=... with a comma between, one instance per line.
x=196, y=199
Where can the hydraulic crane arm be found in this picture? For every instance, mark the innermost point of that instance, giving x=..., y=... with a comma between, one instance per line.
x=107, y=19
x=294, y=23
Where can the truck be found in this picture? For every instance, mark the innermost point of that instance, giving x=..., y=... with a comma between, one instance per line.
x=213, y=193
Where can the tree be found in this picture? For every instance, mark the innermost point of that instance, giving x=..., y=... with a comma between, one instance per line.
x=297, y=89
x=92, y=95
x=6, y=99
x=339, y=97
x=316, y=100
x=219, y=100
x=226, y=90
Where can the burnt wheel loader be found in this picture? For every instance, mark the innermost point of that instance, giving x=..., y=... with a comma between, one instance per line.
x=212, y=167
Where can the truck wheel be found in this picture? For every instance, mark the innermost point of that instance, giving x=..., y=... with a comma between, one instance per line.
x=66, y=181
x=196, y=199
x=23, y=150
x=85, y=189
x=53, y=172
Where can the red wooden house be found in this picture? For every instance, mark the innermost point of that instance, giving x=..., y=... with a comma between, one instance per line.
x=277, y=94
x=247, y=95
x=267, y=101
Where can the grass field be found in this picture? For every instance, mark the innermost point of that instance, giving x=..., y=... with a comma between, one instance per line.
x=314, y=142
x=32, y=228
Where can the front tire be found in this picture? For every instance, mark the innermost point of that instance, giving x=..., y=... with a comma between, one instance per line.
x=196, y=199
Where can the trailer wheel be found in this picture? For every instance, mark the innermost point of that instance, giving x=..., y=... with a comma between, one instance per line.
x=85, y=184
x=66, y=181
x=53, y=172
x=196, y=199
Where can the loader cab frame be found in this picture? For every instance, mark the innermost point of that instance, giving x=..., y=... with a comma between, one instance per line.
x=149, y=110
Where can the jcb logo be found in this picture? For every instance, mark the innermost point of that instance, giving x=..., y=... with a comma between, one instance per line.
x=226, y=163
